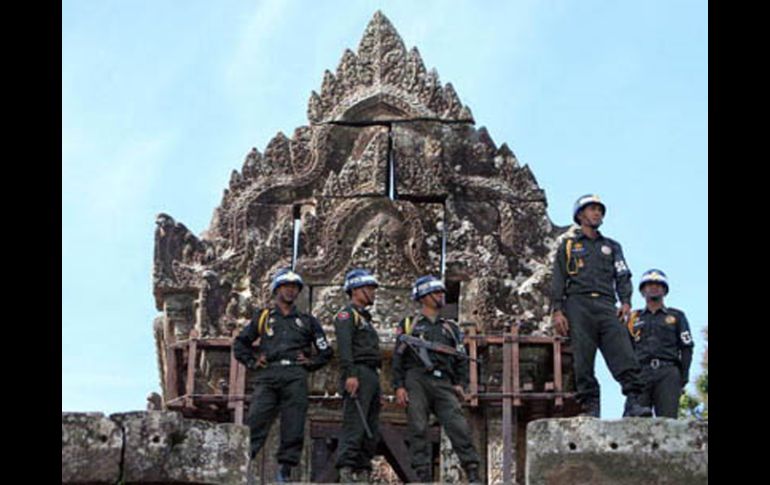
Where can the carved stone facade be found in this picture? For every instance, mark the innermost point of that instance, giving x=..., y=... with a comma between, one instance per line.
x=391, y=175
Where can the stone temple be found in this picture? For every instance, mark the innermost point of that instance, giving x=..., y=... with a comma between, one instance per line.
x=391, y=174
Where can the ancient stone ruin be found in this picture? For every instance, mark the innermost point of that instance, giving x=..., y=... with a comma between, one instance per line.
x=390, y=174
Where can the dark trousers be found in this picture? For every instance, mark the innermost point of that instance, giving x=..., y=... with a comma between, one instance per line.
x=662, y=389
x=356, y=450
x=593, y=323
x=430, y=394
x=281, y=389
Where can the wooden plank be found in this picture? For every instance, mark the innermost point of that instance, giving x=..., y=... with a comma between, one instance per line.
x=516, y=365
x=507, y=406
x=323, y=460
x=474, y=367
x=397, y=454
x=204, y=343
x=526, y=396
x=172, y=382
x=240, y=389
x=191, y=357
x=557, y=377
x=320, y=429
x=233, y=378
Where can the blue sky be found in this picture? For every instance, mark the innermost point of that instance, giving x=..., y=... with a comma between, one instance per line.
x=162, y=100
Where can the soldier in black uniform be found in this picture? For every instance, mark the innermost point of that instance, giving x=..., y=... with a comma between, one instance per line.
x=437, y=390
x=663, y=346
x=589, y=270
x=358, y=346
x=282, y=359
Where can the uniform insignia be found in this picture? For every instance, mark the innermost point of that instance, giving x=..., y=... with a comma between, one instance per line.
x=343, y=315
x=269, y=332
x=671, y=319
x=686, y=338
x=298, y=321
x=606, y=250
x=321, y=343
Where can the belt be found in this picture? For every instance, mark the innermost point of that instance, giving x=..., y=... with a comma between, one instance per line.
x=281, y=363
x=592, y=294
x=655, y=363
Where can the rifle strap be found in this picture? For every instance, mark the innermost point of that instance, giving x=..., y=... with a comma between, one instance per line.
x=262, y=323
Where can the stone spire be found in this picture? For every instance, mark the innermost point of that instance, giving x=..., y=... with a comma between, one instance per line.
x=384, y=82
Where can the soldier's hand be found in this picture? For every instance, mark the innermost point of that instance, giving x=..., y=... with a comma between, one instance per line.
x=402, y=398
x=302, y=359
x=351, y=385
x=624, y=311
x=260, y=362
x=560, y=322
x=460, y=392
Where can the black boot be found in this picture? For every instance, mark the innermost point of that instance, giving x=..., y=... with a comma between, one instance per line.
x=473, y=473
x=635, y=410
x=591, y=407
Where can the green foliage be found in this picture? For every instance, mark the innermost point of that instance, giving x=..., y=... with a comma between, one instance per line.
x=697, y=406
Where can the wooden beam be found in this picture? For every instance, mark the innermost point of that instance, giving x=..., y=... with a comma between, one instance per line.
x=507, y=405
x=397, y=454
x=191, y=357
x=516, y=365
x=322, y=463
x=557, y=377
x=172, y=382
x=474, y=367
x=233, y=378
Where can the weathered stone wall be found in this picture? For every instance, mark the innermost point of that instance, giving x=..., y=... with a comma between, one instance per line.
x=151, y=447
x=633, y=451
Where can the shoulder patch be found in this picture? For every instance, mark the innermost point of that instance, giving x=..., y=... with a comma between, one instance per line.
x=343, y=315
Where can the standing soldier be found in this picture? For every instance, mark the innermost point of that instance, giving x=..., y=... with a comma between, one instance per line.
x=589, y=270
x=358, y=346
x=282, y=359
x=435, y=388
x=663, y=345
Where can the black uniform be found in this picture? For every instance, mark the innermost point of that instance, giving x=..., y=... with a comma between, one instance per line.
x=664, y=347
x=282, y=383
x=358, y=346
x=586, y=277
x=432, y=391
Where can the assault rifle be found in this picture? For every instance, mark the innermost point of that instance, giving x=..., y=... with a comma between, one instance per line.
x=422, y=347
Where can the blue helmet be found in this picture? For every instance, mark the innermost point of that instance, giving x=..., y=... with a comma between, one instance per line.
x=285, y=276
x=357, y=278
x=654, y=276
x=584, y=201
x=426, y=285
